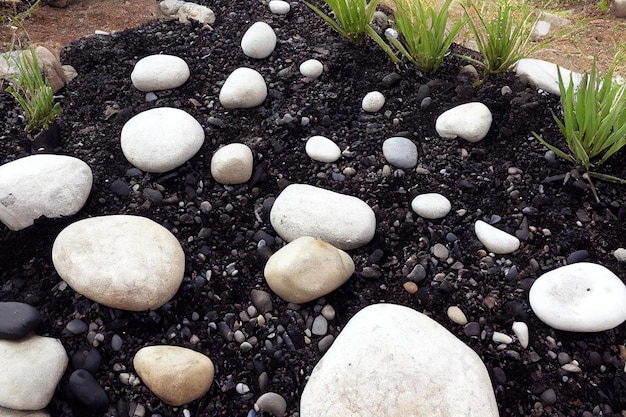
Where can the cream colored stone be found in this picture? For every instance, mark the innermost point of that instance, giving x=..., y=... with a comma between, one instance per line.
x=232, y=164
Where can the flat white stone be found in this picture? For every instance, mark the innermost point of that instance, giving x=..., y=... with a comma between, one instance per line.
x=306, y=269
x=192, y=11
x=431, y=205
x=259, y=41
x=232, y=164
x=42, y=185
x=376, y=368
x=400, y=152
x=470, y=121
x=311, y=68
x=320, y=148
x=161, y=139
x=545, y=75
x=159, y=72
x=580, y=297
x=279, y=7
x=344, y=221
x=494, y=239
x=31, y=370
x=521, y=332
x=125, y=262
x=373, y=101
x=244, y=88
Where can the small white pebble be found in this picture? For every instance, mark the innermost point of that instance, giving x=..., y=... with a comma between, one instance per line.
x=373, y=101
x=620, y=254
x=279, y=7
x=501, y=338
x=569, y=367
x=521, y=331
x=456, y=315
x=311, y=68
x=242, y=388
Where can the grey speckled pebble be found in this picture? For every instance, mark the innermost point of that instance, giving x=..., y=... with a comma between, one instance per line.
x=272, y=403
x=17, y=320
x=262, y=301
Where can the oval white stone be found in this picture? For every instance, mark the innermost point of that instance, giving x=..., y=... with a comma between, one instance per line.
x=400, y=152
x=470, y=121
x=306, y=269
x=581, y=297
x=456, y=315
x=494, y=239
x=42, y=185
x=161, y=139
x=521, y=331
x=159, y=72
x=431, y=206
x=311, y=68
x=125, y=262
x=232, y=164
x=279, y=7
x=259, y=41
x=341, y=220
x=373, y=101
x=244, y=88
x=545, y=75
x=320, y=148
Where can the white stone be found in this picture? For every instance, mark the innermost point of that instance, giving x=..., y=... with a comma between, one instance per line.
x=500, y=337
x=456, y=315
x=124, y=262
x=400, y=152
x=306, y=269
x=620, y=254
x=320, y=148
x=161, y=139
x=7, y=412
x=391, y=360
x=344, y=221
x=244, y=88
x=540, y=30
x=545, y=75
x=192, y=11
x=470, y=121
x=31, y=370
x=259, y=41
x=311, y=68
x=521, y=332
x=279, y=7
x=494, y=239
x=42, y=185
x=580, y=297
x=170, y=7
x=159, y=72
x=232, y=164
x=373, y=101
x=176, y=375
x=431, y=205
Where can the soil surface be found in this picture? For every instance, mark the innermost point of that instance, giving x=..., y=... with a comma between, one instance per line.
x=504, y=179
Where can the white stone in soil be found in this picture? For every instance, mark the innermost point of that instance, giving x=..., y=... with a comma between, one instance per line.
x=159, y=72
x=31, y=370
x=161, y=139
x=545, y=75
x=540, y=30
x=470, y=121
x=521, y=332
x=373, y=101
x=7, y=412
x=259, y=41
x=306, y=269
x=170, y=7
x=121, y=261
x=42, y=185
x=175, y=374
x=279, y=7
x=499, y=337
x=580, y=297
x=431, y=205
x=322, y=149
x=192, y=11
x=244, y=88
x=494, y=239
x=391, y=360
x=344, y=221
x=400, y=152
x=456, y=315
x=232, y=164
x=311, y=68
x=620, y=254
x=271, y=403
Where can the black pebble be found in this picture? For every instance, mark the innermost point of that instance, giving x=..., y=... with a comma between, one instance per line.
x=17, y=320
x=88, y=360
x=87, y=390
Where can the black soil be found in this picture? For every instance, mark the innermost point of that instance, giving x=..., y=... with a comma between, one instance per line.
x=493, y=291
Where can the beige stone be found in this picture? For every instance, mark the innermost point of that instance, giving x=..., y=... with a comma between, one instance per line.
x=51, y=67
x=175, y=374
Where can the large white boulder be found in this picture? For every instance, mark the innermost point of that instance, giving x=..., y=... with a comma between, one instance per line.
x=470, y=121
x=259, y=41
x=344, y=221
x=159, y=72
x=391, y=360
x=42, y=185
x=161, y=139
x=124, y=262
x=232, y=164
x=545, y=75
x=244, y=88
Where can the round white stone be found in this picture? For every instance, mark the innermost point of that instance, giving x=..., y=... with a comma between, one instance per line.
x=159, y=72
x=373, y=101
x=470, y=121
x=259, y=41
x=320, y=148
x=400, y=152
x=232, y=164
x=374, y=369
x=244, y=88
x=124, y=262
x=545, y=75
x=31, y=370
x=521, y=332
x=431, y=206
x=311, y=68
x=42, y=185
x=581, y=297
x=306, y=269
x=161, y=139
x=279, y=7
x=620, y=254
x=494, y=239
x=344, y=221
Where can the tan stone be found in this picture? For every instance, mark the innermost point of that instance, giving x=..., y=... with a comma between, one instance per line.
x=51, y=67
